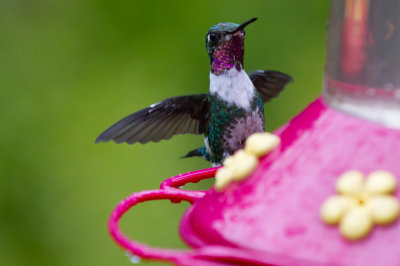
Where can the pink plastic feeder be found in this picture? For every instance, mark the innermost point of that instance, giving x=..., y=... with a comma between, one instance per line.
x=273, y=216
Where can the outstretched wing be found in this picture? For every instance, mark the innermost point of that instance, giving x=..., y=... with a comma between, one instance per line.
x=269, y=83
x=176, y=115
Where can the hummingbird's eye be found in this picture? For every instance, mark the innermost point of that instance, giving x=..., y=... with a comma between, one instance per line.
x=212, y=37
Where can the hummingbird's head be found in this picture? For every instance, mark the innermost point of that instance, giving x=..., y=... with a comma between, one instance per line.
x=225, y=46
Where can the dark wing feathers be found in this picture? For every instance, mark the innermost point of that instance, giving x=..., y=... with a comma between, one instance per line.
x=269, y=83
x=177, y=115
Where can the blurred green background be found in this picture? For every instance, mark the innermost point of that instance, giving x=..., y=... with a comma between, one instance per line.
x=69, y=69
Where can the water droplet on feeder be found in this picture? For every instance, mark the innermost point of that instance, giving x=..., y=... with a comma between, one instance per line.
x=132, y=258
x=390, y=86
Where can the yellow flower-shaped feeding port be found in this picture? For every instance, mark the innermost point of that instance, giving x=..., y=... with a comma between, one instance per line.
x=361, y=203
x=243, y=162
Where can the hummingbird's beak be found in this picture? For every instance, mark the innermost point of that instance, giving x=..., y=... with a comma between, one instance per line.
x=243, y=25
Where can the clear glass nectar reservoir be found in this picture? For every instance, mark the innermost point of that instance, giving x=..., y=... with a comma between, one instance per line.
x=362, y=74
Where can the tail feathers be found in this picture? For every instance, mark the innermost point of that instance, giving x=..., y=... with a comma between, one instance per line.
x=201, y=152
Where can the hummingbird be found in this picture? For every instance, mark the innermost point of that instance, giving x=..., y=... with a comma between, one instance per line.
x=231, y=111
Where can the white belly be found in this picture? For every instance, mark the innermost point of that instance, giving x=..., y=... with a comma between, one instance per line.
x=234, y=87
